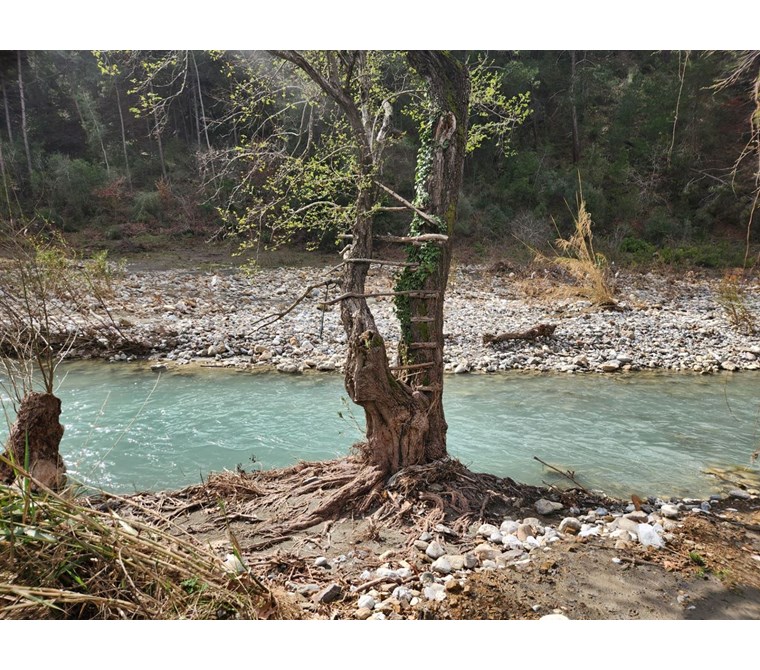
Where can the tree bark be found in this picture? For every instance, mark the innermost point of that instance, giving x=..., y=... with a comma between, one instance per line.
x=34, y=441
x=7, y=112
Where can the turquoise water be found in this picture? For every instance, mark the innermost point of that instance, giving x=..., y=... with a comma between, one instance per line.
x=130, y=429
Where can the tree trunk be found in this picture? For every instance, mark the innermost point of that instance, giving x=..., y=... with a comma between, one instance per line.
x=574, y=109
x=405, y=419
x=123, y=135
x=34, y=441
x=24, y=133
x=7, y=112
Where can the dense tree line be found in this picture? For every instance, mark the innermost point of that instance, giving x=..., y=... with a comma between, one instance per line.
x=128, y=145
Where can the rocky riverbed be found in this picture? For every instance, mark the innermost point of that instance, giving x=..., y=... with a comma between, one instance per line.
x=672, y=322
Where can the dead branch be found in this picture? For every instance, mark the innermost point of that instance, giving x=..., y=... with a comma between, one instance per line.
x=269, y=319
x=346, y=296
x=541, y=330
x=565, y=473
x=408, y=205
x=416, y=239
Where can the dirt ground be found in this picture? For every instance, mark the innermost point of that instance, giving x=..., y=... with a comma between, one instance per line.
x=709, y=569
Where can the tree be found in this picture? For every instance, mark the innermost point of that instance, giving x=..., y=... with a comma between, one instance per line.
x=50, y=300
x=404, y=412
x=346, y=155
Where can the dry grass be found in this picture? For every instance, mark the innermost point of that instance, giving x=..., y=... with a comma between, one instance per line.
x=732, y=298
x=61, y=557
x=588, y=269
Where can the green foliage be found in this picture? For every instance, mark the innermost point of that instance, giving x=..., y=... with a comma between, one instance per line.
x=697, y=559
x=147, y=207
x=69, y=185
x=494, y=115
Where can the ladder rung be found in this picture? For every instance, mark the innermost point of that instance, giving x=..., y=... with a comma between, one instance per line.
x=413, y=366
x=423, y=345
x=422, y=319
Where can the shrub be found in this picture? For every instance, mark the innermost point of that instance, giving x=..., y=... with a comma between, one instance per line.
x=587, y=267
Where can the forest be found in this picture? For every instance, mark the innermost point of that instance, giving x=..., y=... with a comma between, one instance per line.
x=136, y=147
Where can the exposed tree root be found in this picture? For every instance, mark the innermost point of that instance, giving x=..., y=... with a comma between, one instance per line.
x=279, y=504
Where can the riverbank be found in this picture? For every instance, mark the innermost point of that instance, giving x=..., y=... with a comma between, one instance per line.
x=219, y=317
x=424, y=552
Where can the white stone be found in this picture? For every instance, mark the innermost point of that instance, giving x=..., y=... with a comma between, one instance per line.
x=233, y=564
x=435, y=550
x=402, y=593
x=442, y=565
x=366, y=601
x=531, y=543
x=648, y=536
x=545, y=507
x=486, y=530
x=508, y=526
x=436, y=592
x=669, y=511
x=512, y=542
x=386, y=573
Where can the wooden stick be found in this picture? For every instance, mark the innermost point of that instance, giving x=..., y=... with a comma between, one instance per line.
x=409, y=205
x=414, y=294
x=377, y=262
x=416, y=239
x=271, y=318
x=413, y=366
x=569, y=474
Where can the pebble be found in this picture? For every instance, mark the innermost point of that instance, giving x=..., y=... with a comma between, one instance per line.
x=435, y=592
x=508, y=527
x=435, y=550
x=546, y=507
x=328, y=594
x=669, y=511
x=321, y=562
x=739, y=493
x=366, y=602
x=570, y=525
x=486, y=552
x=442, y=565
x=486, y=530
x=512, y=541
x=524, y=531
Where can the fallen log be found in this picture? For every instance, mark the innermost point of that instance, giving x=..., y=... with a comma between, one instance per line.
x=541, y=330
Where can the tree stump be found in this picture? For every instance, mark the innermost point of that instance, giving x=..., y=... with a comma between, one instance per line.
x=34, y=441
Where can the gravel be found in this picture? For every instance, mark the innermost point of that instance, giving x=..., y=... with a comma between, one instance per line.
x=672, y=323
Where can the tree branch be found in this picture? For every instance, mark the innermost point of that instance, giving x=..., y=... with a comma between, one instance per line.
x=409, y=205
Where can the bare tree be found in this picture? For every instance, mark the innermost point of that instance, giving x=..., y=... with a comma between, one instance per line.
x=48, y=303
